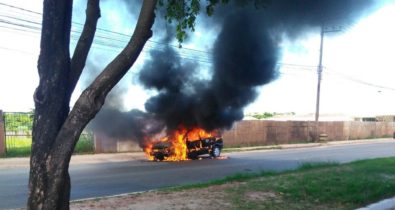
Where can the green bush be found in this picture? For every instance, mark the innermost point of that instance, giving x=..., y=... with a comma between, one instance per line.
x=85, y=144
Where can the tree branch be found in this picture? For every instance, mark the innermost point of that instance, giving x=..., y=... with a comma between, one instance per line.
x=85, y=42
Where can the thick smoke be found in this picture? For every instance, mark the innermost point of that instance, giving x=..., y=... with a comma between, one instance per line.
x=133, y=125
x=176, y=85
x=242, y=61
x=295, y=17
x=244, y=57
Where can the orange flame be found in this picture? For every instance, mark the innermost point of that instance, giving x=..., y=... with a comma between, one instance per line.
x=175, y=143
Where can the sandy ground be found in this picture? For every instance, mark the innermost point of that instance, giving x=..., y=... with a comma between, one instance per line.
x=205, y=198
x=208, y=198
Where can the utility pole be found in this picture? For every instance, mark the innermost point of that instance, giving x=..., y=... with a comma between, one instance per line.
x=319, y=73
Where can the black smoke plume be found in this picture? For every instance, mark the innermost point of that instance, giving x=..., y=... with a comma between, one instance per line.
x=133, y=125
x=242, y=61
x=244, y=57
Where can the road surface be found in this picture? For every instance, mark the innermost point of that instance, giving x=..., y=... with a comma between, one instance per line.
x=94, y=176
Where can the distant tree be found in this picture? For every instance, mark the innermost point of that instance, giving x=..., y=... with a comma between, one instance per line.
x=55, y=128
x=263, y=115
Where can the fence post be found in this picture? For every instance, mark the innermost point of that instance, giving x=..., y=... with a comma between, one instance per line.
x=2, y=134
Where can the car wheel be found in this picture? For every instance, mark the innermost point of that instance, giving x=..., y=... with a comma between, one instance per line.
x=216, y=152
x=192, y=156
x=159, y=157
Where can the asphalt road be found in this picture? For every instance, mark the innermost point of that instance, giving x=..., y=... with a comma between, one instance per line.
x=107, y=177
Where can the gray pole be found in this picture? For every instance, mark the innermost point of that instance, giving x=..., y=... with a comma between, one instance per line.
x=3, y=146
x=319, y=72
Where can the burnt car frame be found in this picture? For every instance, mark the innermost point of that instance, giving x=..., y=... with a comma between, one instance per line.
x=194, y=148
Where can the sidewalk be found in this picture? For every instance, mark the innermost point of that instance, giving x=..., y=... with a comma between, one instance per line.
x=307, y=145
x=23, y=162
x=6, y=163
x=387, y=204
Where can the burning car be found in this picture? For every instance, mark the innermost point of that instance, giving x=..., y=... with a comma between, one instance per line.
x=186, y=145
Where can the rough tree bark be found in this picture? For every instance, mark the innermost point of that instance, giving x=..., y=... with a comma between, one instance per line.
x=55, y=128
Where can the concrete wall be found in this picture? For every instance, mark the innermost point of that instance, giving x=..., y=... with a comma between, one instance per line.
x=260, y=132
x=2, y=135
x=257, y=132
x=364, y=130
x=104, y=144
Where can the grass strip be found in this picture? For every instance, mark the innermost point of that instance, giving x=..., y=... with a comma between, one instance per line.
x=311, y=186
x=21, y=146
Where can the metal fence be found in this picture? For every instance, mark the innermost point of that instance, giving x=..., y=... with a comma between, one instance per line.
x=18, y=132
x=18, y=135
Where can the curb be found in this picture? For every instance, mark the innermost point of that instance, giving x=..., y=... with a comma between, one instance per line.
x=110, y=196
x=386, y=204
x=308, y=145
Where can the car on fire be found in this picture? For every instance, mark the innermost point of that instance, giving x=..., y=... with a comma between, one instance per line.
x=194, y=148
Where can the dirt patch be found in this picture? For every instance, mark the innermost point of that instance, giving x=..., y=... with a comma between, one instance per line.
x=212, y=197
x=388, y=176
x=261, y=196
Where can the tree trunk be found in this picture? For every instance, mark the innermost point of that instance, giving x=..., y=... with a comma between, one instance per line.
x=55, y=130
x=51, y=105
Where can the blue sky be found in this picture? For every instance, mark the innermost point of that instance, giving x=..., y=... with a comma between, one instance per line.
x=357, y=80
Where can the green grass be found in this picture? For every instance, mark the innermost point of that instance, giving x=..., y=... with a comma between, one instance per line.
x=238, y=177
x=338, y=187
x=20, y=146
x=316, y=165
x=312, y=186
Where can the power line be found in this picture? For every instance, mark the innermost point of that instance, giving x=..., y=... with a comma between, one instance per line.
x=16, y=50
x=105, y=40
x=112, y=32
x=353, y=79
x=19, y=19
x=20, y=8
x=112, y=38
x=110, y=45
